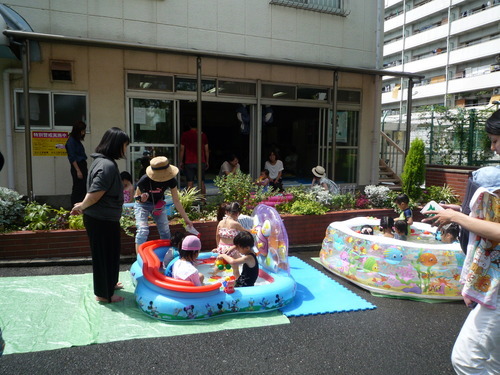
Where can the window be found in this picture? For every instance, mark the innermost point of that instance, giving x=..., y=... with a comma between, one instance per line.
x=151, y=82
x=312, y=93
x=335, y=7
x=349, y=96
x=190, y=84
x=50, y=110
x=236, y=88
x=278, y=91
x=61, y=70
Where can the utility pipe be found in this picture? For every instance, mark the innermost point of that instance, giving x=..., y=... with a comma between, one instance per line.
x=9, y=149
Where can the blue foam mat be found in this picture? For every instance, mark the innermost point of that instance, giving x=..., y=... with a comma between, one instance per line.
x=318, y=294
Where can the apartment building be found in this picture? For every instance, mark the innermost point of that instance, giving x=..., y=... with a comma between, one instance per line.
x=455, y=44
x=273, y=74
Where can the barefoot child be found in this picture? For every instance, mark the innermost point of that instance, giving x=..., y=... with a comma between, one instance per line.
x=244, y=244
x=403, y=203
x=173, y=250
x=184, y=268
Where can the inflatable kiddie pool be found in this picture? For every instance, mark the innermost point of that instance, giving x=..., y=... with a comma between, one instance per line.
x=420, y=268
x=166, y=298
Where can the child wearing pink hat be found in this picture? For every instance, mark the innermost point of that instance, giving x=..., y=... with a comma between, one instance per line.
x=184, y=268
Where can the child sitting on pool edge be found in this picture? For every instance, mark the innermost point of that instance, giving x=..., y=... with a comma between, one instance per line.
x=184, y=268
x=244, y=243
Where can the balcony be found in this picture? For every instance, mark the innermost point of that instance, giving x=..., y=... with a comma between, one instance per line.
x=467, y=84
x=418, y=13
x=479, y=19
x=422, y=38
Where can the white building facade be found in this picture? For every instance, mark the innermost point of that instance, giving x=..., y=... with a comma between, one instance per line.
x=289, y=67
x=455, y=44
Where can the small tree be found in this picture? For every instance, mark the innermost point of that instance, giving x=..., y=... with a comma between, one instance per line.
x=413, y=175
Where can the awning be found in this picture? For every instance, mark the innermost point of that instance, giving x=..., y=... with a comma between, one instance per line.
x=11, y=20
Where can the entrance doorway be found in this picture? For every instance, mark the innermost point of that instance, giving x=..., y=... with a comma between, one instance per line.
x=222, y=127
x=293, y=131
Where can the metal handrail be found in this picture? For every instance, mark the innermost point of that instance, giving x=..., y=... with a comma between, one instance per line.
x=391, y=154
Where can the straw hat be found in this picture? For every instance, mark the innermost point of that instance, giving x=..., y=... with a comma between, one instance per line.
x=191, y=243
x=160, y=170
x=319, y=171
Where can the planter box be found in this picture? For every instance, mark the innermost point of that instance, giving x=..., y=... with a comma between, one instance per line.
x=302, y=230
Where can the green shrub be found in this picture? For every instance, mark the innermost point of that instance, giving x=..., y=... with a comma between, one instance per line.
x=76, y=222
x=235, y=187
x=343, y=202
x=37, y=216
x=11, y=209
x=413, y=175
x=307, y=208
x=439, y=193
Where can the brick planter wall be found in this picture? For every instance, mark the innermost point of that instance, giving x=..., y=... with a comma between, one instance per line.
x=301, y=230
x=454, y=176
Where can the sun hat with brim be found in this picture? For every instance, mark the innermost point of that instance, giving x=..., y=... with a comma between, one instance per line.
x=160, y=170
x=319, y=171
x=191, y=242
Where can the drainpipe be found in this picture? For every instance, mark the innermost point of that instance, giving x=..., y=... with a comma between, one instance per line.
x=377, y=103
x=9, y=152
x=27, y=129
x=198, y=120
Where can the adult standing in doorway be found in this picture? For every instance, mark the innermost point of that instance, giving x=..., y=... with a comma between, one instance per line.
x=188, y=156
x=78, y=161
x=102, y=209
x=275, y=168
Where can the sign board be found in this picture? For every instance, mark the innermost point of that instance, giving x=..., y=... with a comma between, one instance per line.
x=49, y=143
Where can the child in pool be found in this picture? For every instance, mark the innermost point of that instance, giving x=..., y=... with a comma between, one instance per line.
x=386, y=226
x=173, y=251
x=403, y=202
x=401, y=229
x=366, y=229
x=128, y=187
x=244, y=243
x=227, y=229
x=450, y=233
x=184, y=268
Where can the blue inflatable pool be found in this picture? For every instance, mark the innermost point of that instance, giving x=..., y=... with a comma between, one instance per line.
x=165, y=298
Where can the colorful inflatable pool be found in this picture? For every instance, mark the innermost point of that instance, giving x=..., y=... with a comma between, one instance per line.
x=169, y=299
x=420, y=268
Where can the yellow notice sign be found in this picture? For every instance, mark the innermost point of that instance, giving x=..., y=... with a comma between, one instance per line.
x=49, y=143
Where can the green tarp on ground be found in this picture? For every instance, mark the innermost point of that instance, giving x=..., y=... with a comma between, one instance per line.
x=52, y=312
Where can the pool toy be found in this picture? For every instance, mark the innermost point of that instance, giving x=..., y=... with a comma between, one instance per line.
x=221, y=264
x=169, y=299
x=420, y=268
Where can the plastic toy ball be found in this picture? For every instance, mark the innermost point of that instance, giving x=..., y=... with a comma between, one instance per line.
x=222, y=264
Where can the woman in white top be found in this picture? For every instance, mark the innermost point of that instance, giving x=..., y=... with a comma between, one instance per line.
x=275, y=168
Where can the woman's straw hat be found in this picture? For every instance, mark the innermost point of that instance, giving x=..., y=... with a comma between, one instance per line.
x=319, y=171
x=160, y=170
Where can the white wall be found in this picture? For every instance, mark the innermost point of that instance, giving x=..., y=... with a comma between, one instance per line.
x=250, y=27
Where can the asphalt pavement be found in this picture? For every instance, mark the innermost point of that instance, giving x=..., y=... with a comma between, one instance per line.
x=398, y=337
